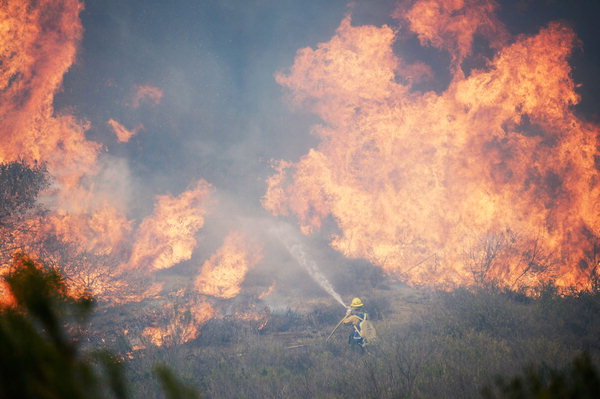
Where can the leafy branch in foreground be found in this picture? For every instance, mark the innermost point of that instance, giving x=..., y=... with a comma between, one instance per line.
x=579, y=380
x=40, y=355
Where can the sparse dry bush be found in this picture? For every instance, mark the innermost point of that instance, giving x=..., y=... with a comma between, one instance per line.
x=454, y=343
x=360, y=276
x=218, y=332
x=378, y=306
x=324, y=316
x=492, y=254
x=281, y=322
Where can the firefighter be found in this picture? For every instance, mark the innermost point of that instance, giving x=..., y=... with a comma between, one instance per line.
x=356, y=315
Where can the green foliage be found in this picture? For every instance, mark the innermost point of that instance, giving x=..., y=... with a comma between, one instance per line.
x=579, y=380
x=39, y=358
x=40, y=351
x=173, y=388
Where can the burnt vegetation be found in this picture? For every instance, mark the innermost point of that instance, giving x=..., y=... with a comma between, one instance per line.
x=481, y=341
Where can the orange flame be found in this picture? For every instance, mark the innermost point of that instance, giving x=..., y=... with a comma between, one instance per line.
x=259, y=318
x=223, y=273
x=268, y=291
x=123, y=134
x=167, y=237
x=492, y=179
x=452, y=25
x=101, y=232
x=86, y=229
x=180, y=328
x=38, y=42
x=6, y=298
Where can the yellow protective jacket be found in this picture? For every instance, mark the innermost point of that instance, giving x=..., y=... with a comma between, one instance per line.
x=363, y=327
x=355, y=317
x=352, y=319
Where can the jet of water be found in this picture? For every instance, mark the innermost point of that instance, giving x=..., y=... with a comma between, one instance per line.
x=299, y=252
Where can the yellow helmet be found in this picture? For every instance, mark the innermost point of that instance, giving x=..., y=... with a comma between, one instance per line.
x=356, y=303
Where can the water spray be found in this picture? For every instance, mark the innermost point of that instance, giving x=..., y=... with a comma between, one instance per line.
x=300, y=254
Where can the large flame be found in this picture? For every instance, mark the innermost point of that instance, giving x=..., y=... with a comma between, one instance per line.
x=167, y=237
x=6, y=298
x=452, y=25
x=492, y=179
x=86, y=231
x=223, y=273
x=123, y=134
x=101, y=232
x=183, y=325
x=38, y=41
x=38, y=44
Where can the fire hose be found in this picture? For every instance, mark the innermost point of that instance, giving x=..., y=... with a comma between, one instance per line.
x=336, y=327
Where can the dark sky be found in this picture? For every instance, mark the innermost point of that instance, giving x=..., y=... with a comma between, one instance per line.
x=222, y=116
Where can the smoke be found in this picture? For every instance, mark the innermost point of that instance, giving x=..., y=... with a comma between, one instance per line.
x=224, y=272
x=295, y=247
x=146, y=94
